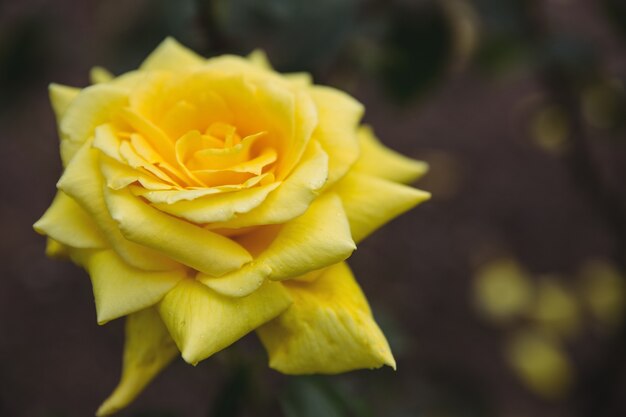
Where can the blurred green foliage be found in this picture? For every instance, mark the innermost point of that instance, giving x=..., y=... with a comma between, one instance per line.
x=299, y=34
x=319, y=396
x=417, y=49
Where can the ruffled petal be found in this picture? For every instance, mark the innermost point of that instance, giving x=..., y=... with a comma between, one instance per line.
x=118, y=175
x=318, y=238
x=94, y=106
x=293, y=196
x=66, y=222
x=378, y=160
x=171, y=56
x=371, y=202
x=147, y=350
x=339, y=116
x=291, y=115
x=203, y=322
x=219, y=207
x=189, y=244
x=119, y=289
x=83, y=182
x=328, y=329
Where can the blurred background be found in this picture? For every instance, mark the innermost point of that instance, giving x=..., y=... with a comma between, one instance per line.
x=503, y=296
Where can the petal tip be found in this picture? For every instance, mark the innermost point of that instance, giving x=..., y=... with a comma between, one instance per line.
x=108, y=407
x=390, y=361
x=190, y=355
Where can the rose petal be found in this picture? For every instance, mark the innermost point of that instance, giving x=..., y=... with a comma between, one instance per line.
x=378, y=160
x=99, y=75
x=339, y=116
x=328, y=329
x=318, y=238
x=148, y=349
x=203, y=322
x=153, y=145
x=292, y=117
x=171, y=56
x=189, y=244
x=371, y=202
x=119, y=175
x=61, y=96
x=184, y=115
x=66, y=222
x=219, y=207
x=258, y=58
x=119, y=289
x=56, y=249
x=94, y=106
x=122, y=165
x=173, y=196
x=293, y=197
x=83, y=182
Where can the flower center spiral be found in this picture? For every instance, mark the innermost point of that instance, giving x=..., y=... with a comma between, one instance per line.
x=220, y=156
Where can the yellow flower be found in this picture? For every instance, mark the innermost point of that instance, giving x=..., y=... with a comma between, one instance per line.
x=210, y=198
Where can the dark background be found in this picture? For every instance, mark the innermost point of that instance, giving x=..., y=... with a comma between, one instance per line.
x=519, y=108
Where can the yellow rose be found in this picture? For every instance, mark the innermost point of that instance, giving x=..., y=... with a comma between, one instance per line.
x=210, y=198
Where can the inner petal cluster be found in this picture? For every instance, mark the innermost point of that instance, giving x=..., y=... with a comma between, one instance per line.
x=188, y=133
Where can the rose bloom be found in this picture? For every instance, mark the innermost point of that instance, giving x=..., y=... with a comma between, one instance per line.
x=210, y=198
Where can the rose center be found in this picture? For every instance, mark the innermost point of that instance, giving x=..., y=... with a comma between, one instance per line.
x=220, y=156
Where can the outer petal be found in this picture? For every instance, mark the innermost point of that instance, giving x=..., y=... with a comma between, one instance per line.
x=94, y=106
x=378, y=160
x=258, y=58
x=171, y=56
x=328, y=329
x=99, y=75
x=119, y=289
x=83, y=182
x=61, y=96
x=56, y=249
x=318, y=238
x=203, y=322
x=147, y=350
x=371, y=202
x=189, y=244
x=294, y=195
x=339, y=116
x=66, y=222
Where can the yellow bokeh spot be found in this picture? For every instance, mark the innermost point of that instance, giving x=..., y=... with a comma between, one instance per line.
x=601, y=103
x=604, y=292
x=502, y=291
x=540, y=363
x=556, y=309
x=549, y=129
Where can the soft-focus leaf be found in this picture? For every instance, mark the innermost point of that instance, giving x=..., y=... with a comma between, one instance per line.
x=310, y=397
x=231, y=398
x=616, y=12
x=417, y=50
x=298, y=34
